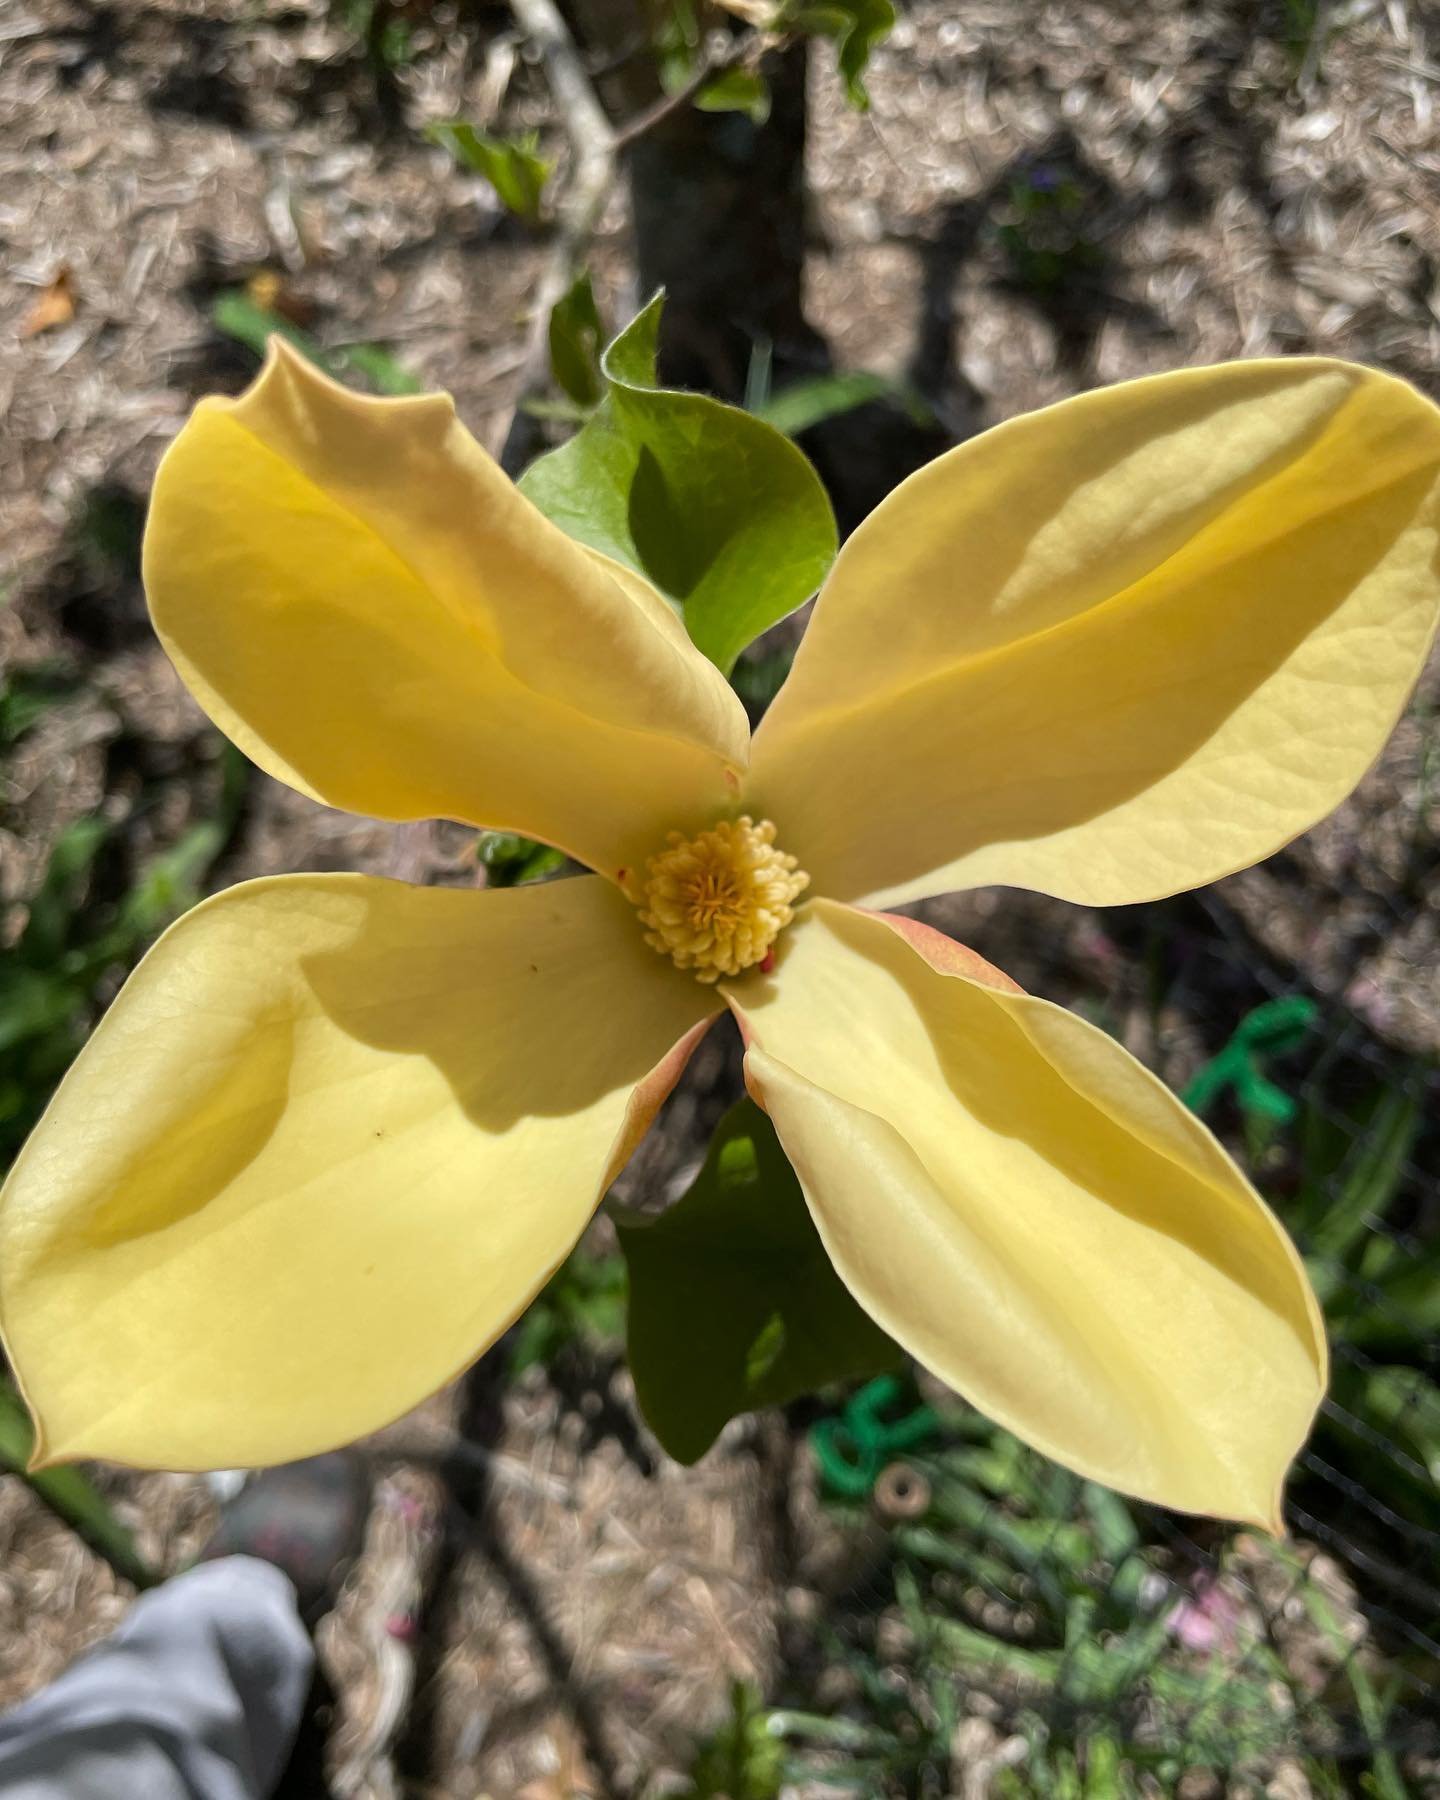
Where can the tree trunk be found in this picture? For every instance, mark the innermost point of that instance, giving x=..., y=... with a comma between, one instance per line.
x=720, y=218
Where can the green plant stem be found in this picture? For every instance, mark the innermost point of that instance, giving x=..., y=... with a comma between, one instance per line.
x=69, y=1495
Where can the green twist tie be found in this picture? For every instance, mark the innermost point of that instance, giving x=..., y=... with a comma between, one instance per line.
x=1273, y=1029
x=851, y=1450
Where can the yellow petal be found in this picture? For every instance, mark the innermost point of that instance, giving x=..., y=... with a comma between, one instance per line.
x=1118, y=648
x=367, y=606
x=1036, y=1218
x=326, y=1145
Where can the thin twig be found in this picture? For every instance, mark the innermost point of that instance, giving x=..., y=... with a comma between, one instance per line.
x=592, y=139
x=596, y=145
x=737, y=51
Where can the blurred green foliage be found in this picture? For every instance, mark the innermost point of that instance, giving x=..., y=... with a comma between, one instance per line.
x=513, y=166
x=511, y=861
x=237, y=315
x=737, y=90
x=1380, y=1287
x=744, y=1760
x=1109, y=1657
x=854, y=26
x=381, y=29
x=75, y=943
x=89, y=918
x=1043, y=230
x=582, y=1305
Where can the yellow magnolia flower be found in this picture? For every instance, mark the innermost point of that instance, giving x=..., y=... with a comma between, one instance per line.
x=337, y=1131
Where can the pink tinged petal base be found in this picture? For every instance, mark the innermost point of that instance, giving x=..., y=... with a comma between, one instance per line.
x=650, y=1095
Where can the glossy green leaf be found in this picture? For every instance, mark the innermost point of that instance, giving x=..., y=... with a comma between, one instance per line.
x=737, y=90
x=715, y=508
x=512, y=166
x=575, y=340
x=733, y=1302
x=856, y=26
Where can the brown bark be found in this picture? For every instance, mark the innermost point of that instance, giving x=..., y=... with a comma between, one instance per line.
x=719, y=213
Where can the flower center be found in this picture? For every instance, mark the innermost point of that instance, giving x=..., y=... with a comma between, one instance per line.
x=715, y=903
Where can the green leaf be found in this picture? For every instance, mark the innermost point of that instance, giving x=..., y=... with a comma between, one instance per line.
x=512, y=166
x=513, y=860
x=1399, y=1309
x=806, y=403
x=35, y=1003
x=1371, y=1175
x=575, y=339
x=675, y=42
x=376, y=365
x=734, y=1304
x=737, y=90
x=70, y=1495
x=67, y=874
x=1115, y=1532
x=744, y=1760
x=582, y=1303
x=172, y=883
x=1400, y=1403
x=26, y=695
x=856, y=26
x=715, y=508
x=236, y=315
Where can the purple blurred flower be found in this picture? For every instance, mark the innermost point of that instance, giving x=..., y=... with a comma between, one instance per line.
x=1209, y=1618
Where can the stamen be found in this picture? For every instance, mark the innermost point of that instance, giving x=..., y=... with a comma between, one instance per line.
x=715, y=903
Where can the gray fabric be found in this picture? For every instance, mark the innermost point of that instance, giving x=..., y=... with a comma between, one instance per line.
x=197, y=1696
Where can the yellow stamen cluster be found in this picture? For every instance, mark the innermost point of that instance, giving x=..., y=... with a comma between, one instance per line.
x=715, y=903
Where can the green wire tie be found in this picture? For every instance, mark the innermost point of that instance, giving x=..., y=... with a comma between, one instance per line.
x=1273, y=1029
x=853, y=1448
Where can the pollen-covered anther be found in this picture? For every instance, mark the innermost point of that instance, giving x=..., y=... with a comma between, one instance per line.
x=715, y=903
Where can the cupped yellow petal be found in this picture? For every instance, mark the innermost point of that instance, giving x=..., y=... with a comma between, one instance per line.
x=1035, y=1217
x=359, y=597
x=1117, y=648
x=329, y=1141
